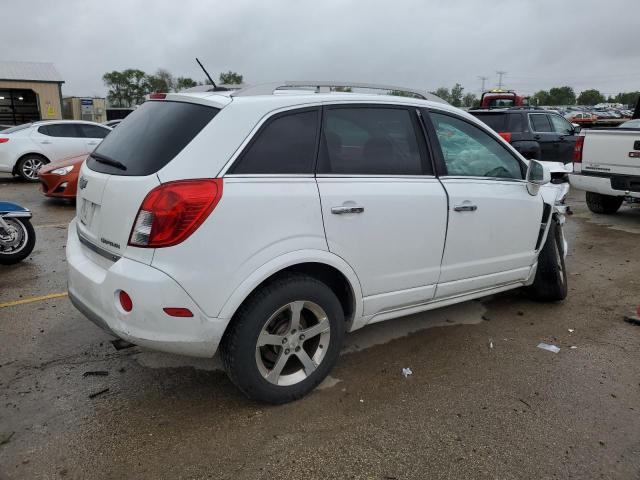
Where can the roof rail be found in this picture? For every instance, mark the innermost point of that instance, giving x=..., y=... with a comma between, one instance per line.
x=328, y=86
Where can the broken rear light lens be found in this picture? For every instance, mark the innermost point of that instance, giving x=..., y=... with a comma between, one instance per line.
x=171, y=212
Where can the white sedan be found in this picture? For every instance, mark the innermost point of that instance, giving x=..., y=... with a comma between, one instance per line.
x=26, y=148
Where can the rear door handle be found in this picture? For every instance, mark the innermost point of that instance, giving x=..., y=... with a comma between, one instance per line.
x=351, y=209
x=93, y=143
x=45, y=142
x=465, y=208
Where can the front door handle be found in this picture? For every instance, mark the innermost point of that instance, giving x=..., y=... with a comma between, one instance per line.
x=348, y=209
x=93, y=143
x=465, y=208
x=45, y=142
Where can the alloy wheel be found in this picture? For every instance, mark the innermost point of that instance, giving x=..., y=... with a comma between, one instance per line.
x=293, y=343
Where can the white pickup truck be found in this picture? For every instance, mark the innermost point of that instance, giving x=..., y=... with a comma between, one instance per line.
x=606, y=165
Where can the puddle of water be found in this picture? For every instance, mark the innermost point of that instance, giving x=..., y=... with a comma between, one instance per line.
x=467, y=313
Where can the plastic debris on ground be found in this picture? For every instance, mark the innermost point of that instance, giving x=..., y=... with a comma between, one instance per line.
x=571, y=330
x=406, y=372
x=633, y=319
x=490, y=343
x=546, y=346
x=573, y=347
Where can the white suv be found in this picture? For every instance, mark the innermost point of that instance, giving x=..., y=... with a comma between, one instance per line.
x=270, y=221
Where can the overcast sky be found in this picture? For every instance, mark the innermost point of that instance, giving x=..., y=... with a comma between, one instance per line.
x=420, y=44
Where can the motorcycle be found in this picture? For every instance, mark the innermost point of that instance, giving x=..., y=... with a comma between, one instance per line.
x=17, y=236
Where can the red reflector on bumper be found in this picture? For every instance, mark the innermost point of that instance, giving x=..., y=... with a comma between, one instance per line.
x=178, y=312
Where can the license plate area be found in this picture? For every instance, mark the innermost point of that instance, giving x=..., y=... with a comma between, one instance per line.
x=87, y=212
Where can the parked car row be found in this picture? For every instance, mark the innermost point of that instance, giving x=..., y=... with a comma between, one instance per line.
x=26, y=148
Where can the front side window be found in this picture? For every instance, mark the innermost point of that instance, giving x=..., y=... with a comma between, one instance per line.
x=468, y=151
x=540, y=123
x=560, y=125
x=93, y=131
x=370, y=141
x=286, y=144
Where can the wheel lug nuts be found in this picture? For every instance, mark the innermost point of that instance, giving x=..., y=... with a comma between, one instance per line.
x=284, y=340
x=301, y=337
x=297, y=349
x=286, y=352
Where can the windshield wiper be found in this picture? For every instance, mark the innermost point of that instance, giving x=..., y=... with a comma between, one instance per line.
x=108, y=161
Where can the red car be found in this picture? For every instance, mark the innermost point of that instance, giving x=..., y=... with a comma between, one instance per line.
x=60, y=179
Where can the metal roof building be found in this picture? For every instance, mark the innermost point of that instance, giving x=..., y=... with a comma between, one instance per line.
x=29, y=91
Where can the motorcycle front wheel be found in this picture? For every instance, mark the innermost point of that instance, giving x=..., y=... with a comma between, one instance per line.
x=16, y=242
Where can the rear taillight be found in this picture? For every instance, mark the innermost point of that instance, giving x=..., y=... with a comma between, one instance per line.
x=577, y=150
x=506, y=136
x=4, y=140
x=173, y=211
x=157, y=96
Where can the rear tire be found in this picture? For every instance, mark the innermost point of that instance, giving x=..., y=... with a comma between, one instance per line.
x=18, y=244
x=605, y=204
x=265, y=350
x=550, y=283
x=28, y=166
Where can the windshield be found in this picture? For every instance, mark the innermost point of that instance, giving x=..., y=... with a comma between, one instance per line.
x=150, y=137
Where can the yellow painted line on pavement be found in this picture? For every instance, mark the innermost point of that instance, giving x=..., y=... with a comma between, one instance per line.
x=33, y=299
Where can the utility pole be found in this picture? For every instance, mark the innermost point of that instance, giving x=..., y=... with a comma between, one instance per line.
x=483, y=79
x=500, y=75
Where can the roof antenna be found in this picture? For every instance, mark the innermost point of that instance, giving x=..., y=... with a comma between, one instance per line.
x=215, y=87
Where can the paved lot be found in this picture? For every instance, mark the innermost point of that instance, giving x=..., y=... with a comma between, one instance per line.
x=468, y=410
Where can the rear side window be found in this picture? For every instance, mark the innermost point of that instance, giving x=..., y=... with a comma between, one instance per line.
x=152, y=136
x=515, y=123
x=540, y=122
x=370, y=141
x=93, y=131
x=497, y=121
x=68, y=130
x=286, y=144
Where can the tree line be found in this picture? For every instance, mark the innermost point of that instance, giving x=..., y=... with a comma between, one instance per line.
x=566, y=96
x=129, y=87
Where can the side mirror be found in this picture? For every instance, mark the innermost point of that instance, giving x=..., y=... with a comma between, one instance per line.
x=576, y=128
x=537, y=175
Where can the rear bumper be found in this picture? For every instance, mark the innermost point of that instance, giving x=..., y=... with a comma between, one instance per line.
x=602, y=185
x=94, y=284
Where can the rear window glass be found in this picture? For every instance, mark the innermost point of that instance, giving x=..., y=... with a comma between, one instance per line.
x=497, y=121
x=17, y=128
x=150, y=137
x=515, y=123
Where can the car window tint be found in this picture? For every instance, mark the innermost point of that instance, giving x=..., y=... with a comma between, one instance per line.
x=515, y=123
x=469, y=151
x=93, y=131
x=67, y=130
x=540, y=122
x=560, y=125
x=285, y=145
x=497, y=121
x=369, y=141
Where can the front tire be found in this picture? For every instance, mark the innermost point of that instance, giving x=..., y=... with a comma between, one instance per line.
x=605, y=204
x=16, y=244
x=284, y=340
x=29, y=165
x=550, y=283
